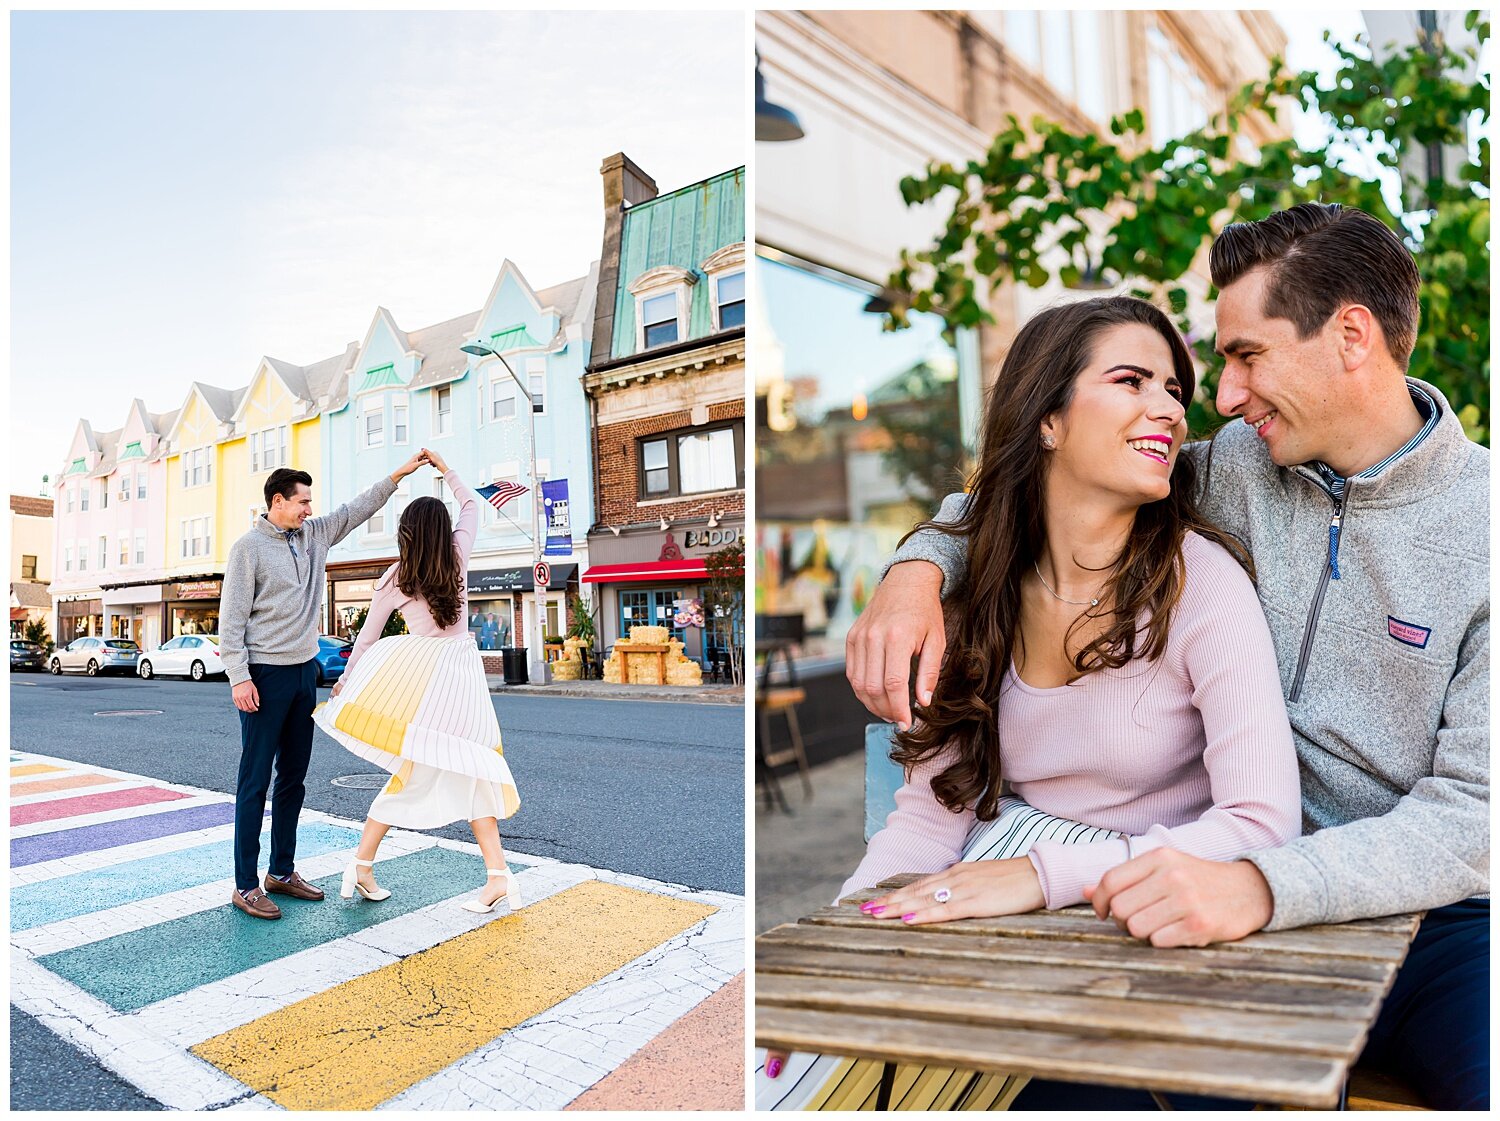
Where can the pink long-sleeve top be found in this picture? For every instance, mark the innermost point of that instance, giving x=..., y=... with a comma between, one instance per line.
x=1193, y=751
x=389, y=597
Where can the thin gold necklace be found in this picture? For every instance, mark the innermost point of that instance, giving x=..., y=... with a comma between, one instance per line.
x=1064, y=599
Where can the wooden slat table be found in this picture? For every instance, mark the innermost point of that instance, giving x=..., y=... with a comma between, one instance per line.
x=1276, y=1017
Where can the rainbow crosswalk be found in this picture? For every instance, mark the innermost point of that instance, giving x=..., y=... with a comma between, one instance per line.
x=605, y=991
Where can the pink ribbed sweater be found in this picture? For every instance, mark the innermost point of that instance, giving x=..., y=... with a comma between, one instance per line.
x=1193, y=751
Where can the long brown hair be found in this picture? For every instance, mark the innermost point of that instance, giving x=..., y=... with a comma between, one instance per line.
x=429, y=562
x=1004, y=521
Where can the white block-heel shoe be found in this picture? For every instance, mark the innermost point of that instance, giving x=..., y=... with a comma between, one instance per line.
x=512, y=894
x=351, y=883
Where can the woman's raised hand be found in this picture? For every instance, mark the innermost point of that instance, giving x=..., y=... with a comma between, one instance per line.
x=436, y=460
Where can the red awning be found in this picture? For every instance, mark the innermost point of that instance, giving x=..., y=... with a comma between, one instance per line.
x=642, y=572
x=18, y=614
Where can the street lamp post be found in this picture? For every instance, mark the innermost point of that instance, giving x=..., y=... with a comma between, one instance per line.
x=534, y=645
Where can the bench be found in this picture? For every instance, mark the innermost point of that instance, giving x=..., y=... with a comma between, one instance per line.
x=1367, y=1089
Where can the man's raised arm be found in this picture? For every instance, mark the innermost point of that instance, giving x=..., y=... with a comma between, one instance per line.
x=904, y=619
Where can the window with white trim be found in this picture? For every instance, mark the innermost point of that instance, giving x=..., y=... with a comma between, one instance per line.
x=536, y=383
x=140, y=546
x=197, y=537
x=83, y=556
x=67, y=558
x=1179, y=98
x=71, y=491
x=104, y=494
x=502, y=397
x=442, y=405
x=140, y=485
x=124, y=549
x=103, y=552
x=443, y=494
x=268, y=449
x=197, y=467
x=83, y=496
x=659, y=320
x=729, y=300
x=375, y=524
x=125, y=487
x=374, y=417
x=507, y=472
x=400, y=423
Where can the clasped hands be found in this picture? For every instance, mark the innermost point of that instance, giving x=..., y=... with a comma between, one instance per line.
x=424, y=458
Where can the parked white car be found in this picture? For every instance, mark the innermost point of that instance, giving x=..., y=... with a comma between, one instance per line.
x=187, y=655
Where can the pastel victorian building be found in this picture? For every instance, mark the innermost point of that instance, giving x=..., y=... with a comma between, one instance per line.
x=110, y=517
x=402, y=391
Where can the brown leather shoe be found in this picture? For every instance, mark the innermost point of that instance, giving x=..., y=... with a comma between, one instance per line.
x=255, y=904
x=295, y=886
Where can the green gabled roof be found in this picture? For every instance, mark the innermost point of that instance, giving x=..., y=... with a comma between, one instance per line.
x=79, y=467
x=512, y=338
x=381, y=375
x=132, y=450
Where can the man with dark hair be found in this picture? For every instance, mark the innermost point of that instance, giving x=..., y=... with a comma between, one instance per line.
x=268, y=636
x=1366, y=509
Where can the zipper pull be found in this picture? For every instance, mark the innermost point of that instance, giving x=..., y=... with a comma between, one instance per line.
x=1333, y=541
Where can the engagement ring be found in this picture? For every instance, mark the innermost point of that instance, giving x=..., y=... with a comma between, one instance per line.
x=942, y=895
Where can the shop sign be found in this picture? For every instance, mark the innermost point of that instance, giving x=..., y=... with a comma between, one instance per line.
x=559, y=525
x=198, y=589
x=713, y=538
x=498, y=580
x=354, y=589
x=687, y=613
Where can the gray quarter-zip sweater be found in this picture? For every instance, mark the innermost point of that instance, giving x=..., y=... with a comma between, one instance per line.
x=1385, y=668
x=273, y=586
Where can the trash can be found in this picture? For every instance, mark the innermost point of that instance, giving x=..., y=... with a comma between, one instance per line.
x=514, y=660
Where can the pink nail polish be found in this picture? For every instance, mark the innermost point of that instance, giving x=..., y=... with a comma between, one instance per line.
x=875, y=910
x=773, y=1068
x=908, y=917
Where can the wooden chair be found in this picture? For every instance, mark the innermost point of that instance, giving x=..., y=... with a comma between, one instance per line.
x=773, y=697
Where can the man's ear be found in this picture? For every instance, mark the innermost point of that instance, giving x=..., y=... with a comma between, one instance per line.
x=1358, y=330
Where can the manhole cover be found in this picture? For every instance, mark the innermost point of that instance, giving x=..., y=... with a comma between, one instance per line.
x=129, y=712
x=362, y=782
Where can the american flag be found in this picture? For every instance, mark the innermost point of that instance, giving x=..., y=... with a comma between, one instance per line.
x=501, y=493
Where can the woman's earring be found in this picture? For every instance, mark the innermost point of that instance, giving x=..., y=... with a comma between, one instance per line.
x=1048, y=441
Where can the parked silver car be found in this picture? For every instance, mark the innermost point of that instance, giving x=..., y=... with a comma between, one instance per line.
x=94, y=656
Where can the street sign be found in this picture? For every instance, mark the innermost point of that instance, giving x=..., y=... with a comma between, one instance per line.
x=543, y=574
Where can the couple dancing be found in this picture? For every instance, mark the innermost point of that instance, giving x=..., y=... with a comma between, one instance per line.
x=1144, y=642
x=415, y=705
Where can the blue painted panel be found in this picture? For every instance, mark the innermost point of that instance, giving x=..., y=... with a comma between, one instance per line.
x=882, y=777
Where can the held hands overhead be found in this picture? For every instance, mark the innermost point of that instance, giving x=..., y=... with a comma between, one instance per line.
x=423, y=458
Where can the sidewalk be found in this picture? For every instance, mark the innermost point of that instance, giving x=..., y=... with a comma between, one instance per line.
x=803, y=858
x=606, y=691
x=124, y=944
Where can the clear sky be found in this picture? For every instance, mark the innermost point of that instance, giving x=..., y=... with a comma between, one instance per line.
x=190, y=191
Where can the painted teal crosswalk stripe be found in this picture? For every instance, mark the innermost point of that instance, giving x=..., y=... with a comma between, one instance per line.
x=68, y=897
x=138, y=968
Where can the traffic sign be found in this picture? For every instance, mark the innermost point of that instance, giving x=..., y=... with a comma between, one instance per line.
x=542, y=574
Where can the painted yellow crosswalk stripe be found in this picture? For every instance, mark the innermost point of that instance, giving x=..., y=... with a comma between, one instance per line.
x=362, y=1042
x=33, y=769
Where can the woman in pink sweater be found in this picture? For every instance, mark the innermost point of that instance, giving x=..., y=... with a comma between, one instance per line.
x=417, y=704
x=1110, y=685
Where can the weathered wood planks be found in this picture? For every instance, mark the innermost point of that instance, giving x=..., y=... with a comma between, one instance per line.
x=1277, y=1017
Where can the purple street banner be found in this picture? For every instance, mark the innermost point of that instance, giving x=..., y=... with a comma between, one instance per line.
x=559, y=527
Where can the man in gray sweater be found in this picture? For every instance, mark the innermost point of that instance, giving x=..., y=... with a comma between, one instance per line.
x=268, y=637
x=1366, y=510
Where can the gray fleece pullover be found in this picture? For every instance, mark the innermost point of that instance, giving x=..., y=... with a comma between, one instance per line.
x=273, y=586
x=1385, y=669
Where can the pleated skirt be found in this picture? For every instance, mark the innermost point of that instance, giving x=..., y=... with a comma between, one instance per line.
x=420, y=709
x=829, y=1082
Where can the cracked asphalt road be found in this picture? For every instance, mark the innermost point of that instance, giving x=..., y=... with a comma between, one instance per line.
x=655, y=790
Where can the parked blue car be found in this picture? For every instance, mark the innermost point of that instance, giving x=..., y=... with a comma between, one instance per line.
x=333, y=656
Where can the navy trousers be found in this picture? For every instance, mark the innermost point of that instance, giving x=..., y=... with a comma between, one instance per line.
x=281, y=732
x=1433, y=1032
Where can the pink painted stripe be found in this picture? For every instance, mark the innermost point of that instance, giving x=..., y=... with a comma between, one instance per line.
x=91, y=803
x=696, y=1063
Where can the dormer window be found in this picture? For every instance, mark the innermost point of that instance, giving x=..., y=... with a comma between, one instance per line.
x=726, y=274
x=268, y=449
x=659, y=320
x=374, y=414
x=662, y=298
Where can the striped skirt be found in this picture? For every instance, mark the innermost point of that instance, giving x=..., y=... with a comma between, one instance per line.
x=825, y=1082
x=420, y=709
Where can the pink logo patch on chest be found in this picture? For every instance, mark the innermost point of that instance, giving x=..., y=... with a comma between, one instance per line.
x=1409, y=633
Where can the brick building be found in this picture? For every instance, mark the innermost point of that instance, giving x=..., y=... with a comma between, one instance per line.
x=666, y=384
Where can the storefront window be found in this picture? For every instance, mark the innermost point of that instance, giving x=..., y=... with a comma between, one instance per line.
x=651, y=607
x=195, y=619
x=489, y=623
x=861, y=432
